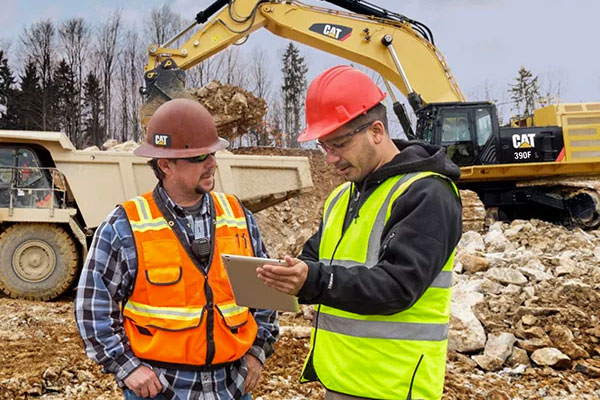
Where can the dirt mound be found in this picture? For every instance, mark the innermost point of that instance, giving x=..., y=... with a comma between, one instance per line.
x=286, y=226
x=235, y=110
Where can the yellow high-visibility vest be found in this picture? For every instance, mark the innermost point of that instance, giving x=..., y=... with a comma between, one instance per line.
x=375, y=356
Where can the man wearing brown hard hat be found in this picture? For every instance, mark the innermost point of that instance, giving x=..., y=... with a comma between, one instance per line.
x=154, y=305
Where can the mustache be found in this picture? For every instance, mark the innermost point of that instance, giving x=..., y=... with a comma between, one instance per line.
x=208, y=174
x=342, y=164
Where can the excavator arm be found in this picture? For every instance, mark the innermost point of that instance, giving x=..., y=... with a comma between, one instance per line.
x=392, y=47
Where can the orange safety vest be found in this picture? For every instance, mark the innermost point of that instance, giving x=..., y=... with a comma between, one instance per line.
x=180, y=315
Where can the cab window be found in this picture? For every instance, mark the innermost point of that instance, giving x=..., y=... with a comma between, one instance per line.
x=455, y=128
x=7, y=162
x=28, y=167
x=456, y=137
x=483, y=120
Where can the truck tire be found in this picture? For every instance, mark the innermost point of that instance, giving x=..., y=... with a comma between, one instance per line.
x=37, y=261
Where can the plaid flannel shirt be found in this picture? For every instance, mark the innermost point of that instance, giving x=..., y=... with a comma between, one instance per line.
x=107, y=280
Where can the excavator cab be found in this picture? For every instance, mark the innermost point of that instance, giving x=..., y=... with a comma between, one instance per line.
x=468, y=131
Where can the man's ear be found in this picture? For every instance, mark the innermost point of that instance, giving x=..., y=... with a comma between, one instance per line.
x=377, y=131
x=165, y=166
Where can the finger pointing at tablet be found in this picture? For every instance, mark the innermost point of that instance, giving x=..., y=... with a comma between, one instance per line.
x=285, y=279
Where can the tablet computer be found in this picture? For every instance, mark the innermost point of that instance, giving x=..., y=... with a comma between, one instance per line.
x=249, y=290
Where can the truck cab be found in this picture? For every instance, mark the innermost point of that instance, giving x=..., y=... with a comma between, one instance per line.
x=26, y=181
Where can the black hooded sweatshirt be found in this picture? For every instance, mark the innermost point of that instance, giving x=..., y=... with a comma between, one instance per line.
x=424, y=227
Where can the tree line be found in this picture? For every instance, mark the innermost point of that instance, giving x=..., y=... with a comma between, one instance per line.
x=84, y=79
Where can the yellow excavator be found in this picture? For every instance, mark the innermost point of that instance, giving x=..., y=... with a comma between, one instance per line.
x=546, y=166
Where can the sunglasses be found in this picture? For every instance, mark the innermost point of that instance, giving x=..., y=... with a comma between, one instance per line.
x=197, y=159
x=341, y=141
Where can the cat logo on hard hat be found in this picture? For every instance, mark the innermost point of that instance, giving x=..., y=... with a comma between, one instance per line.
x=162, y=140
x=337, y=32
x=523, y=141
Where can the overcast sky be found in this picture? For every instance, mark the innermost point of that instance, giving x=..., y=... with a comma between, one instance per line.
x=484, y=41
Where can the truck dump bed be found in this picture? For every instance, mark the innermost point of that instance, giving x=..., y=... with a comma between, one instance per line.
x=99, y=180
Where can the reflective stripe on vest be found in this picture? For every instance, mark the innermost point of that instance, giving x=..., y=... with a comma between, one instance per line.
x=228, y=218
x=384, y=348
x=180, y=313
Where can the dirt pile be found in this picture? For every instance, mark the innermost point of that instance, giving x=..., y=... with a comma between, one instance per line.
x=235, y=110
x=286, y=226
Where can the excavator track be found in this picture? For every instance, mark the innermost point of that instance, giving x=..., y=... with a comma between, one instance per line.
x=581, y=195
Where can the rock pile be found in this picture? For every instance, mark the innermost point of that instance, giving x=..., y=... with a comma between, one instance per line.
x=235, y=110
x=527, y=294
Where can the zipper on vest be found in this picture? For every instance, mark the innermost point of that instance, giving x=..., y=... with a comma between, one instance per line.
x=412, y=380
x=210, y=322
x=316, y=320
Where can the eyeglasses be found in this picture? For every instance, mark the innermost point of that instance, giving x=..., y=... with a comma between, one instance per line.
x=341, y=141
x=197, y=159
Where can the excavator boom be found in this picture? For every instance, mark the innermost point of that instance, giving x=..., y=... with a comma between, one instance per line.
x=372, y=41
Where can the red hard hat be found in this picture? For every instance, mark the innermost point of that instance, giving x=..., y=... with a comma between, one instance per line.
x=181, y=128
x=336, y=97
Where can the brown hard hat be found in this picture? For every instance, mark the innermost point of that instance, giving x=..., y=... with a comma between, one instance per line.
x=181, y=128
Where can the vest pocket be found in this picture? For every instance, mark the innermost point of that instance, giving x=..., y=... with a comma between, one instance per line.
x=164, y=276
x=238, y=244
x=148, y=319
x=232, y=316
x=163, y=273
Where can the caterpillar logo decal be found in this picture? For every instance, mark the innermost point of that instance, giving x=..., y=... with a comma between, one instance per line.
x=337, y=32
x=523, y=141
x=162, y=140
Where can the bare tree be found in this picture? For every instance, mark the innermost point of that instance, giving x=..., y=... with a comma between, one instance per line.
x=550, y=85
x=259, y=82
x=39, y=46
x=162, y=24
x=260, y=74
x=129, y=81
x=134, y=60
x=229, y=67
x=203, y=73
x=489, y=91
x=75, y=34
x=123, y=98
x=108, y=40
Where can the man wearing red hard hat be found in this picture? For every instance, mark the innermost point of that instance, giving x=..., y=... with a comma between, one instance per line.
x=154, y=305
x=379, y=269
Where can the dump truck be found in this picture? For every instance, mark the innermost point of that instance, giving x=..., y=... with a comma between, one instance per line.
x=53, y=197
x=547, y=167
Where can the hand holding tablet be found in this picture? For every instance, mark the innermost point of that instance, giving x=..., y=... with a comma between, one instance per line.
x=249, y=290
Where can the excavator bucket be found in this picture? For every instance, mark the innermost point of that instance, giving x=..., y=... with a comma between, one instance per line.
x=163, y=83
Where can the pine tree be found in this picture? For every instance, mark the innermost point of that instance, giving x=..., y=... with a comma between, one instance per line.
x=66, y=106
x=92, y=112
x=293, y=90
x=525, y=91
x=29, y=100
x=8, y=118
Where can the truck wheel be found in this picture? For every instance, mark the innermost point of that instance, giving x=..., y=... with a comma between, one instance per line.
x=37, y=261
